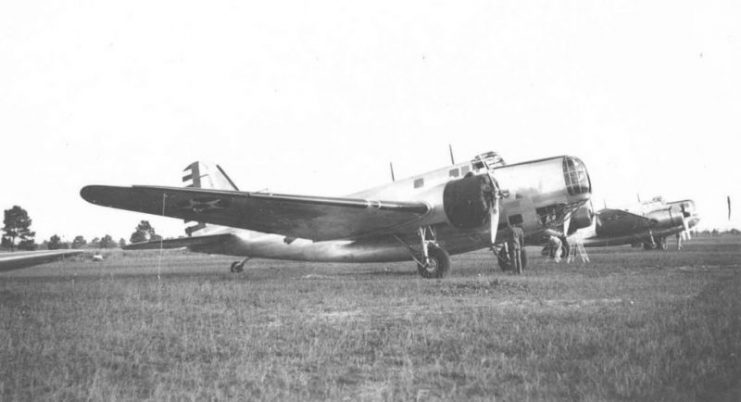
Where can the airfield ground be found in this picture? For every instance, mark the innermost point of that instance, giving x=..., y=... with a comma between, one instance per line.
x=631, y=325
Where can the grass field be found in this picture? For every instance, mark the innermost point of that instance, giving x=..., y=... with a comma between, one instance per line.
x=632, y=325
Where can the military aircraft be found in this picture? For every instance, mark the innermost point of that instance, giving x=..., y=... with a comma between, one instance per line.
x=23, y=259
x=424, y=218
x=647, y=224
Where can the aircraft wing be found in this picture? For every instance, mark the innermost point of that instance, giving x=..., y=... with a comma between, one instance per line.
x=308, y=217
x=616, y=222
x=17, y=260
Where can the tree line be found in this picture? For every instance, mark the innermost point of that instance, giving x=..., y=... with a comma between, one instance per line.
x=17, y=234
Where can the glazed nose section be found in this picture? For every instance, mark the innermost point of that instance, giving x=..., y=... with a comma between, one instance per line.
x=577, y=178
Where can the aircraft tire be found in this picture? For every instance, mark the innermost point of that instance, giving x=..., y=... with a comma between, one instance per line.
x=504, y=263
x=661, y=243
x=439, y=266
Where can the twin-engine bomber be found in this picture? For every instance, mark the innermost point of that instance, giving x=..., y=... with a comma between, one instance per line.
x=424, y=218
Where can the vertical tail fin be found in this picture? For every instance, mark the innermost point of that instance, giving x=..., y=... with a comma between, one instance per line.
x=208, y=176
x=204, y=175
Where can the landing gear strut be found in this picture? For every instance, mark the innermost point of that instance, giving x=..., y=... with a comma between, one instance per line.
x=434, y=261
x=238, y=266
x=438, y=263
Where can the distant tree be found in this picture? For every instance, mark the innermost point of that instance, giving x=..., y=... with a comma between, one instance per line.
x=5, y=243
x=17, y=224
x=28, y=245
x=79, y=242
x=95, y=243
x=107, y=242
x=55, y=243
x=144, y=232
x=122, y=242
x=715, y=232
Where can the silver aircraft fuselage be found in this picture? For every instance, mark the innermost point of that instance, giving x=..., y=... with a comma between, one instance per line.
x=540, y=195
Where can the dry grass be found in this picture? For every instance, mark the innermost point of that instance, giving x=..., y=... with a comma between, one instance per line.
x=633, y=325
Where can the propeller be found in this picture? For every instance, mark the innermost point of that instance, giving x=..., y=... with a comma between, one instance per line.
x=686, y=233
x=494, y=210
x=728, y=199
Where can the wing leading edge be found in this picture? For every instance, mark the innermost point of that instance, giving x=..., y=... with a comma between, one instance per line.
x=308, y=217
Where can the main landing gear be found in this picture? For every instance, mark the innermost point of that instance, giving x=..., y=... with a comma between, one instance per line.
x=434, y=261
x=238, y=266
x=505, y=263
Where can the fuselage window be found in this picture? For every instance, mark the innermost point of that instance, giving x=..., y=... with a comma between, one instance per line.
x=453, y=173
x=419, y=183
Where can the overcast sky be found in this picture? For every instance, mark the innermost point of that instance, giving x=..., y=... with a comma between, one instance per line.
x=317, y=97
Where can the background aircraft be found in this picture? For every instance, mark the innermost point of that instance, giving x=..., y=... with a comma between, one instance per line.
x=646, y=224
x=455, y=209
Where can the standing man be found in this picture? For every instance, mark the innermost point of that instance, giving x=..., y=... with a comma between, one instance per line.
x=516, y=242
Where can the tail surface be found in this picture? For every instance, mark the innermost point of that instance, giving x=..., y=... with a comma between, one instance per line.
x=207, y=176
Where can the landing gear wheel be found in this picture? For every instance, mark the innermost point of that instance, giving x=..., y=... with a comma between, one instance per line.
x=503, y=258
x=506, y=264
x=661, y=244
x=439, y=263
x=237, y=266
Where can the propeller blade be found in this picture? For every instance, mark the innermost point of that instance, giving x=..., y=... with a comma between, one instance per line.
x=494, y=210
x=728, y=199
x=686, y=228
x=494, y=221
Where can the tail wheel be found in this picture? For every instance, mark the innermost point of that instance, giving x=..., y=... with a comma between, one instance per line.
x=439, y=263
x=237, y=266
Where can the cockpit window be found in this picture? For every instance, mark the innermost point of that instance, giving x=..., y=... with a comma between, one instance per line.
x=576, y=177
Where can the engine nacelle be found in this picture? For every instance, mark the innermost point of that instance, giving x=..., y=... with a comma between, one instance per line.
x=664, y=218
x=467, y=202
x=581, y=218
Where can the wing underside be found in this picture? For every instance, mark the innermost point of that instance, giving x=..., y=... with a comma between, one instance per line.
x=17, y=260
x=315, y=218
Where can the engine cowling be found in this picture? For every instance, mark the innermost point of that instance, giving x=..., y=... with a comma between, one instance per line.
x=669, y=217
x=468, y=202
x=581, y=218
